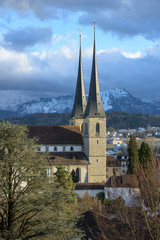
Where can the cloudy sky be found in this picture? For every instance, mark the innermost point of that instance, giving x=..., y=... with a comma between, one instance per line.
x=39, y=43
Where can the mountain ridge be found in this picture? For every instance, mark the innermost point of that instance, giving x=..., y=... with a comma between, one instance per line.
x=118, y=99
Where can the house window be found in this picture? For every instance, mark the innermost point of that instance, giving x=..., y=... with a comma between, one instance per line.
x=86, y=128
x=55, y=148
x=71, y=148
x=47, y=149
x=97, y=128
x=82, y=127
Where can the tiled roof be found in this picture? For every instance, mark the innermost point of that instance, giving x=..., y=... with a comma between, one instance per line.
x=67, y=158
x=97, y=226
x=56, y=134
x=112, y=162
x=127, y=180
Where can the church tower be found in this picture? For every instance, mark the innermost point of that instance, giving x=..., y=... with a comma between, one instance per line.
x=94, y=126
x=80, y=97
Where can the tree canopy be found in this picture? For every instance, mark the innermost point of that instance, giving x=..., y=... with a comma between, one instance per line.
x=30, y=207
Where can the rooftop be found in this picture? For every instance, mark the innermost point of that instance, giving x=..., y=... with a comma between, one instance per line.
x=67, y=158
x=56, y=134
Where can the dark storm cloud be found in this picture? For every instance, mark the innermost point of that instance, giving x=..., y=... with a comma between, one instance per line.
x=122, y=17
x=22, y=38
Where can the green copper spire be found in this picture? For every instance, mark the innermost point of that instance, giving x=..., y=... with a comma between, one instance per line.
x=80, y=97
x=94, y=106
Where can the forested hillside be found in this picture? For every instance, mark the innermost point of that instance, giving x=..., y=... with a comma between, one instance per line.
x=117, y=120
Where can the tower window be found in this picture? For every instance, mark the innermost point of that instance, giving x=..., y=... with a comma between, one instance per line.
x=97, y=160
x=97, y=141
x=97, y=128
x=86, y=128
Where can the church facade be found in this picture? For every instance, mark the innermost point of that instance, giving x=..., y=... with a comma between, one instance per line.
x=82, y=145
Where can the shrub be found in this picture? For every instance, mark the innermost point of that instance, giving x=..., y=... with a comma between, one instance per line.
x=107, y=202
x=100, y=196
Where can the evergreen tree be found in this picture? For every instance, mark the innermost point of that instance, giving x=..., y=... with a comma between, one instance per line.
x=64, y=178
x=30, y=207
x=132, y=155
x=145, y=155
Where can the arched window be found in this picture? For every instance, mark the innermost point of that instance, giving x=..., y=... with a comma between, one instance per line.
x=71, y=148
x=55, y=148
x=75, y=175
x=82, y=127
x=78, y=174
x=97, y=128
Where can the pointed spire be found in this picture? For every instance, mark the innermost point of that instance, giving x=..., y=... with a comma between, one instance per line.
x=94, y=106
x=80, y=97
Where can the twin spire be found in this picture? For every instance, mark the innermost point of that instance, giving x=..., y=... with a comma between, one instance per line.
x=80, y=97
x=94, y=107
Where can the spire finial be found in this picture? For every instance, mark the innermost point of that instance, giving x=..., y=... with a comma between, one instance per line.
x=80, y=32
x=94, y=28
x=80, y=36
x=94, y=24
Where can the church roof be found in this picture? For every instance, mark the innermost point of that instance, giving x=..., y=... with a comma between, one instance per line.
x=56, y=134
x=80, y=97
x=94, y=105
x=89, y=186
x=67, y=158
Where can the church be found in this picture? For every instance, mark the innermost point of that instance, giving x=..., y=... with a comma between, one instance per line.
x=81, y=146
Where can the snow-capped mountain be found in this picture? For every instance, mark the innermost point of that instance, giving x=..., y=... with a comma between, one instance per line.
x=117, y=99
x=154, y=102
x=62, y=104
x=12, y=104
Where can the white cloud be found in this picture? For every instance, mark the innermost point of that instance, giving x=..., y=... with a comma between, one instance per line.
x=135, y=55
x=68, y=53
x=87, y=52
x=14, y=62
